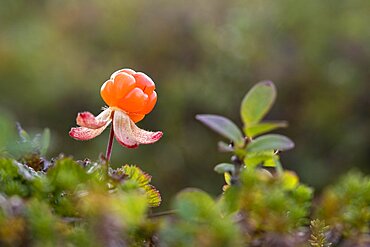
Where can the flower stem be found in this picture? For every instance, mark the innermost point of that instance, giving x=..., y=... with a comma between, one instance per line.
x=110, y=144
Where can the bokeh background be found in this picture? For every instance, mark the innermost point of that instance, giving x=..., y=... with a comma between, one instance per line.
x=204, y=55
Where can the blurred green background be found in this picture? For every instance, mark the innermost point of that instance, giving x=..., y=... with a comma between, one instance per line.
x=203, y=56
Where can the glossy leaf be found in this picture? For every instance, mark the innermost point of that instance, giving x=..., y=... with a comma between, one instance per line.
x=222, y=126
x=257, y=102
x=270, y=142
x=224, y=167
x=264, y=127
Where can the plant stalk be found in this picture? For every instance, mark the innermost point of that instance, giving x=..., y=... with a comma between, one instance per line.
x=110, y=144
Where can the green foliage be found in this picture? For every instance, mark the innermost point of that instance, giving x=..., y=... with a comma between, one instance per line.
x=43, y=223
x=64, y=202
x=70, y=202
x=248, y=151
x=15, y=177
x=199, y=223
x=276, y=203
x=346, y=205
x=269, y=206
x=78, y=203
x=28, y=145
x=257, y=103
x=55, y=55
x=270, y=142
x=255, y=158
x=223, y=126
x=318, y=231
x=140, y=179
x=224, y=167
x=264, y=127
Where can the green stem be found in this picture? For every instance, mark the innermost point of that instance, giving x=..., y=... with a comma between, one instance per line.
x=161, y=214
x=279, y=168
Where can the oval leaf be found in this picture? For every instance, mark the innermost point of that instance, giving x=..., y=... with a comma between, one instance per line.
x=264, y=127
x=224, y=167
x=257, y=102
x=256, y=158
x=222, y=126
x=269, y=142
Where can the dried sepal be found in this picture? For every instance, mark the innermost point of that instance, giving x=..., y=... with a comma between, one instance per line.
x=88, y=120
x=129, y=135
x=84, y=134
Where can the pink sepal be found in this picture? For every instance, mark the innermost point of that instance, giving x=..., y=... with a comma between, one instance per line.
x=129, y=135
x=83, y=133
x=88, y=120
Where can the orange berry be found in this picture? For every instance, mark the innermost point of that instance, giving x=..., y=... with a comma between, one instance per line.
x=136, y=117
x=144, y=82
x=131, y=91
x=134, y=101
x=150, y=103
x=128, y=71
x=123, y=84
x=106, y=93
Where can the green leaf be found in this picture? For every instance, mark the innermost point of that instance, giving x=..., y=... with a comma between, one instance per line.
x=23, y=134
x=194, y=204
x=231, y=200
x=67, y=174
x=270, y=162
x=136, y=174
x=222, y=126
x=290, y=180
x=224, y=147
x=257, y=102
x=153, y=196
x=270, y=142
x=261, y=128
x=227, y=178
x=45, y=141
x=131, y=207
x=224, y=167
x=254, y=159
x=142, y=179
